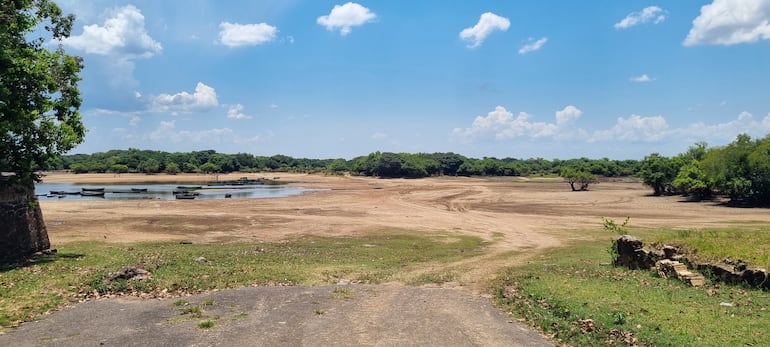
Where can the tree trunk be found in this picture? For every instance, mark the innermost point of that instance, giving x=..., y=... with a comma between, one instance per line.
x=22, y=229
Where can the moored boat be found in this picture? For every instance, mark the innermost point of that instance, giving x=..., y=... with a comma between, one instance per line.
x=187, y=192
x=92, y=193
x=62, y=192
x=185, y=196
x=92, y=189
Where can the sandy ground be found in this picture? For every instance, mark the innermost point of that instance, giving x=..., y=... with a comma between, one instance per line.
x=518, y=214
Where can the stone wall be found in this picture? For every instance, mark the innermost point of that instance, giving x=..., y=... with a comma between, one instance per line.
x=22, y=230
x=633, y=255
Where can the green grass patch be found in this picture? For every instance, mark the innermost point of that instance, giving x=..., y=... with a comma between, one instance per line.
x=751, y=244
x=206, y=324
x=563, y=289
x=79, y=269
x=433, y=277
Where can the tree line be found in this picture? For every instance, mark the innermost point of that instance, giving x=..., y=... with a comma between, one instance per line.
x=739, y=170
x=379, y=164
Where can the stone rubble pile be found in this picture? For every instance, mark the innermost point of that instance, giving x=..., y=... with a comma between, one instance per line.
x=671, y=264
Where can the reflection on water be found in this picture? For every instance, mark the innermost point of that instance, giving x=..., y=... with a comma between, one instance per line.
x=71, y=191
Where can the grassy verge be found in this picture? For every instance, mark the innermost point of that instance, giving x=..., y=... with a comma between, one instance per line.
x=751, y=244
x=78, y=270
x=575, y=297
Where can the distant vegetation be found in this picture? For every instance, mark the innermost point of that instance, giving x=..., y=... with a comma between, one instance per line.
x=740, y=171
x=380, y=164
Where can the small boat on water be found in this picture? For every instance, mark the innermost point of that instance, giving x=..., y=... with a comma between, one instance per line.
x=185, y=196
x=92, y=189
x=139, y=190
x=61, y=192
x=125, y=191
x=184, y=191
x=92, y=193
x=189, y=187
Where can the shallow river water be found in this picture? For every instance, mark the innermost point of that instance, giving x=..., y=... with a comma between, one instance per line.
x=164, y=191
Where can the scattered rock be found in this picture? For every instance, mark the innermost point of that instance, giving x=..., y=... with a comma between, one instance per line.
x=670, y=251
x=631, y=253
x=128, y=274
x=202, y=260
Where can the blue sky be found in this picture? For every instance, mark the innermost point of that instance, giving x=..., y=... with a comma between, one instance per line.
x=331, y=79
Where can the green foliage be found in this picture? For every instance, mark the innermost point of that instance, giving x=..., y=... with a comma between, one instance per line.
x=692, y=180
x=609, y=225
x=209, y=167
x=39, y=96
x=740, y=170
x=338, y=166
x=172, y=168
x=578, y=177
x=119, y=168
x=380, y=164
x=658, y=172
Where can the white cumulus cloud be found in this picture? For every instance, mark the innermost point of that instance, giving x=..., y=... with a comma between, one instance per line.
x=236, y=35
x=488, y=23
x=204, y=98
x=123, y=35
x=729, y=22
x=642, y=78
x=504, y=125
x=345, y=17
x=743, y=124
x=236, y=112
x=652, y=14
x=634, y=128
x=533, y=45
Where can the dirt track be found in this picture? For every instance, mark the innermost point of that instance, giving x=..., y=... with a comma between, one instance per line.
x=519, y=215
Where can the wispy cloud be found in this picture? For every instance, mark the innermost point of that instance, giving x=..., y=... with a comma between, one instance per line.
x=236, y=112
x=533, y=45
x=641, y=78
x=487, y=24
x=649, y=14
